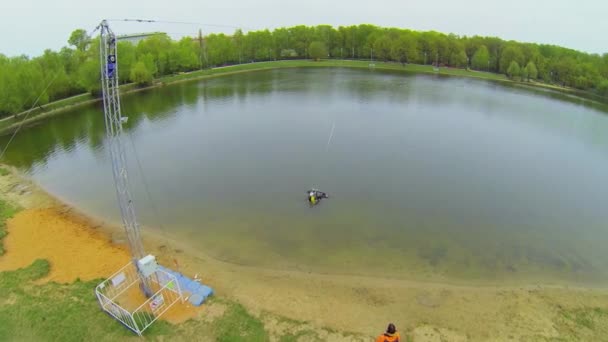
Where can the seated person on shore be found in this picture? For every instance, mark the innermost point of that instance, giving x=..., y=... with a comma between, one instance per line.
x=315, y=196
x=391, y=334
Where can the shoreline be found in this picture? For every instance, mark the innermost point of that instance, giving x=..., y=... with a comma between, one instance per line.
x=157, y=239
x=198, y=75
x=358, y=304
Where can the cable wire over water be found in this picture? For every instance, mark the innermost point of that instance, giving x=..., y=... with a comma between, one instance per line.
x=152, y=204
x=331, y=135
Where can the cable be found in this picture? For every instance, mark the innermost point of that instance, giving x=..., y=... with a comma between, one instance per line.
x=151, y=201
x=331, y=135
x=178, y=22
x=26, y=115
x=93, y=31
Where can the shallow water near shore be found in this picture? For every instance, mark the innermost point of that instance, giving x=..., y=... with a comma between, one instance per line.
x=430, y=178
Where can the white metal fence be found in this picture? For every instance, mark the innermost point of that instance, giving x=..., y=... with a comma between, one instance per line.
x=118, y=297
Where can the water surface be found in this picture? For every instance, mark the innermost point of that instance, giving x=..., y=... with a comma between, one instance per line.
x=429, y=177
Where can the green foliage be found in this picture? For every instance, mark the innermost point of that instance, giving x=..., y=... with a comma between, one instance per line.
x=405, y=49
x=88, y=76
x=564, y=71
x=317, y=50
x=128, y=58
x=140, y=74
x=382, y=48
x=524, y=74
x=532, y=71
x=602, y=88
x=219, y=50
x=76, y=69
x=79, y=39
x=481, y=59
x=458, y=59
x=513, y=70
x=511, y=53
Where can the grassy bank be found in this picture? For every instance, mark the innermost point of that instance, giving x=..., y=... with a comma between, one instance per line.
x=9, y=124
x=58, y=312
x=413, y=68
x=6, y=211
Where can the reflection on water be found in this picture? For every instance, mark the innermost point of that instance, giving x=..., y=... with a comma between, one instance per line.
x=429, y=177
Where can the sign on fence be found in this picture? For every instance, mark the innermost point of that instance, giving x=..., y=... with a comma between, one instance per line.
x=157, y=302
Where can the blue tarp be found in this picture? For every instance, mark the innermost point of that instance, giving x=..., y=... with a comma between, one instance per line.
x=198, y=292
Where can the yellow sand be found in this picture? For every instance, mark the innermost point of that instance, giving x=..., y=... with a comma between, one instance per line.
x=73, y=249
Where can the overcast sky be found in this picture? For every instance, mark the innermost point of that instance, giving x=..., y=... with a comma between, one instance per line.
x=30, y=26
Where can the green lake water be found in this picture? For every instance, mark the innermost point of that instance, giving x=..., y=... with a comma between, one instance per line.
x=429, y=177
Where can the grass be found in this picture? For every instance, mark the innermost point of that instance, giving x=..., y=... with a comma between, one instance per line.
x=57, y=312
x=53, y=312
x=589, y=318
x=583, y=323
x=237, y=324
x=414, y=68
x=55, y=105
x=6, y=211
x=308, y=335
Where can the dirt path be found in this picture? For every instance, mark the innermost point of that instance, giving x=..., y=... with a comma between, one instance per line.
x=78, y=247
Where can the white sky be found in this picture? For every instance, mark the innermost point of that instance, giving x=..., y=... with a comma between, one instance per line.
x=30, y=26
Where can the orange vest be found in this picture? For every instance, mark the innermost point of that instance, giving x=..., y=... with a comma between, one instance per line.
x=386, y=337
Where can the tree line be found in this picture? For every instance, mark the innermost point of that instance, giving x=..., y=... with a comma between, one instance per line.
x=75, y=68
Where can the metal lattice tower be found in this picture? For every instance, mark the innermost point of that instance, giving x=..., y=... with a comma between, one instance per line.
x=111, y=102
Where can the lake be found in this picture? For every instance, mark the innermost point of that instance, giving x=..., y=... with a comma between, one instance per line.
x=429, y=177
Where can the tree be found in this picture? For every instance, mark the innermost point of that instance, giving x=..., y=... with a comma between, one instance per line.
x=237, y=39
x=404, y=49
x=185, y=55
x=602, y=87
x=481, y=59
x=457, y=55
x=79, y=39
x=382, y=47
x=76, y=68
x=327, y=35
x=140, y=74
x=88, y=76
x=532, y=72
x=565, y=70
x=513, y=70
x=458, y=59
x=317, y=50
x=300, y=38
x=524, y=74
x=511, y=53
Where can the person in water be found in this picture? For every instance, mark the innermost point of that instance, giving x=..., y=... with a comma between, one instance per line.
x=314, y=196
x=391, y=335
